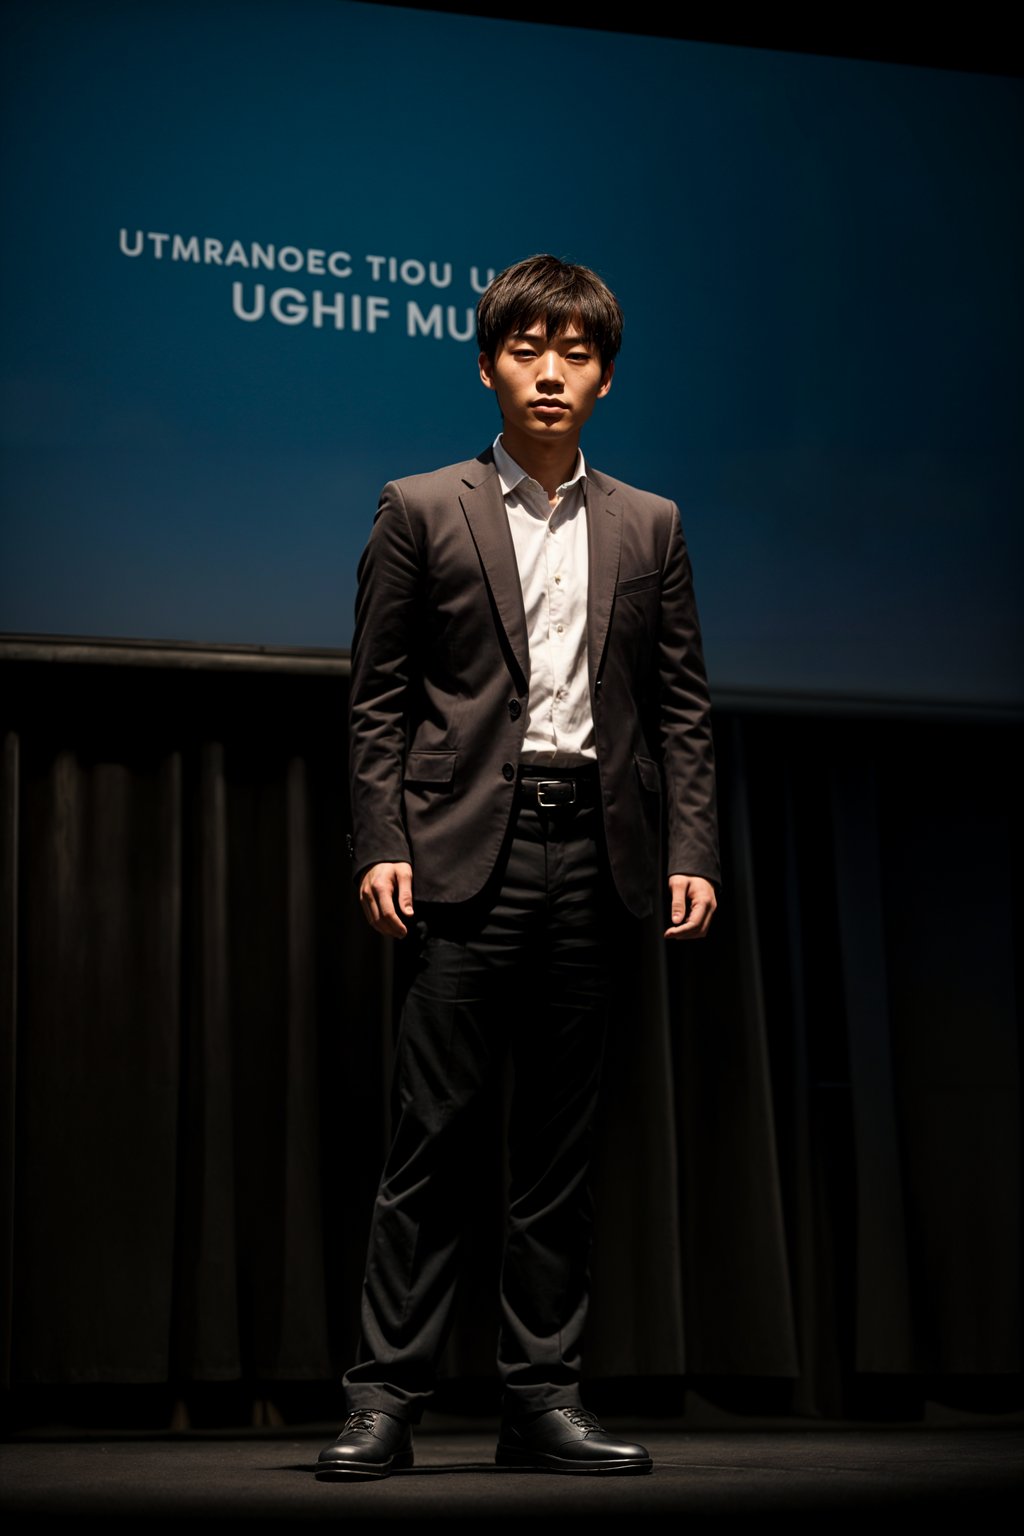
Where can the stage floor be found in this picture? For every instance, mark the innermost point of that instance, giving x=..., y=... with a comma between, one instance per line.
x=741, y=1474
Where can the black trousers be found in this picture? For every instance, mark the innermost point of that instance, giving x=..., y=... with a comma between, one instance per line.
x=521, y=969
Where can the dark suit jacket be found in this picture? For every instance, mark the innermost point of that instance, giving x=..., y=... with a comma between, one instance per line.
x=440, y=678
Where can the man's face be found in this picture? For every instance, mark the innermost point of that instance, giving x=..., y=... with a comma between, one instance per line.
x=546, y=389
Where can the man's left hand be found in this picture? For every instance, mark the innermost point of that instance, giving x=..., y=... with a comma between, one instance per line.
x=693, y=902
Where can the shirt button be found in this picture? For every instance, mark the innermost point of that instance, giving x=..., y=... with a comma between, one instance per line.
x=515, y=709
x=507, y=771
x=560, y=628
x=558, y=581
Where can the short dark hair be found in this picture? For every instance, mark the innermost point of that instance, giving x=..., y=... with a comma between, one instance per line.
x=557, y=292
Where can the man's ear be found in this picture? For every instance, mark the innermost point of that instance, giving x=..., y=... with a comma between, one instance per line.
x=486, y=370
x=606, y=381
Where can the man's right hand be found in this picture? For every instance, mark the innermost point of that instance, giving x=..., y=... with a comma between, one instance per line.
x=385, y=891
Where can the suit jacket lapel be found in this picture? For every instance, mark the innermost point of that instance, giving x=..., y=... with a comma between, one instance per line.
x=604, y=537
x=484, y=507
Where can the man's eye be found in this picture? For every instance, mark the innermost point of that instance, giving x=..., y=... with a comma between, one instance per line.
x=579, y=357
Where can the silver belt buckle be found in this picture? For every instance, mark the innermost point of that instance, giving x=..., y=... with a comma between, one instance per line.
x=555, y=784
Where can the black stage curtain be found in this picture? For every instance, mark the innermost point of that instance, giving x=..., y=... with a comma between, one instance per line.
x=809, y=1173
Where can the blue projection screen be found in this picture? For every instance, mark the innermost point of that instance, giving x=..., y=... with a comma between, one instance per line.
x=243, y=246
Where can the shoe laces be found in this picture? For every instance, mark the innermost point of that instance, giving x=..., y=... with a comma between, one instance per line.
x=359, y=1418
x=580, y=1418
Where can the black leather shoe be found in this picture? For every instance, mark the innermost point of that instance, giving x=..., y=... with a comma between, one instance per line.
x=566, y=1440
x=371, y=1444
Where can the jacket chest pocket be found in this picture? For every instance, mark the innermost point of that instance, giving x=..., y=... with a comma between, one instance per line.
x=643, y=588
x=635, y=615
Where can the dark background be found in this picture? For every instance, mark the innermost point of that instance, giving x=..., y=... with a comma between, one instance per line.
x=982, y=40
x=809, y=1185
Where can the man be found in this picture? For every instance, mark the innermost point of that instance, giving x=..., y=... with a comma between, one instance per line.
x=529, y=740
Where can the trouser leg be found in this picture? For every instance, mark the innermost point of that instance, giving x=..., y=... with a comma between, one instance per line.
x=449, y=1042
x=557, y=1046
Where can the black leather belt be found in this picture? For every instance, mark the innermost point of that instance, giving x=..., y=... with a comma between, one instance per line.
x=553, y=789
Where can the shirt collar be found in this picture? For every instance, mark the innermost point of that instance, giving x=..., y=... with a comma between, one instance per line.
x=510, y=474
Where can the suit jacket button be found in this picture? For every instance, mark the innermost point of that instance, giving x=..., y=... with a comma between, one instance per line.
x=508, y=771
x=515, y=709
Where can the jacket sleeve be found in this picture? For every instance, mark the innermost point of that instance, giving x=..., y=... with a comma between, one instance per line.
x=387, y=599
x=687, y=750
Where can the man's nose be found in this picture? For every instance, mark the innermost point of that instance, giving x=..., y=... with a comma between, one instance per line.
x=550, y=374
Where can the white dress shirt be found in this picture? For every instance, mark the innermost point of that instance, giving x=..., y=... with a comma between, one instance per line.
x=551, y=551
